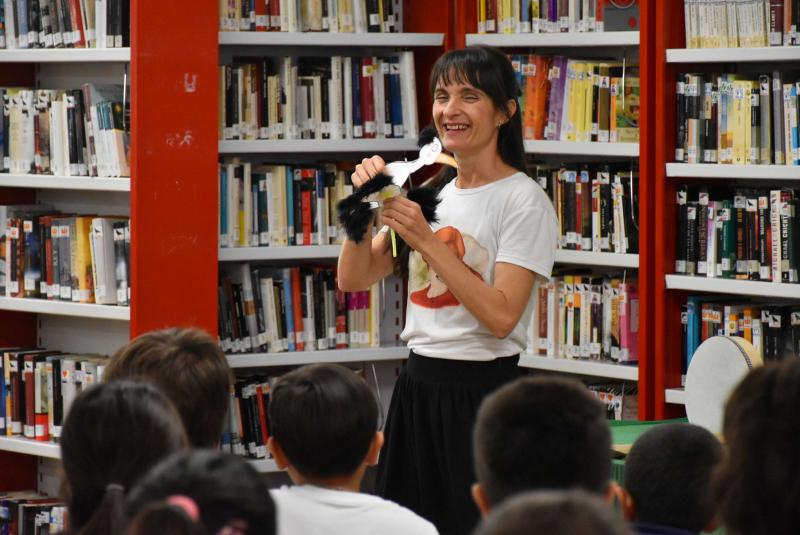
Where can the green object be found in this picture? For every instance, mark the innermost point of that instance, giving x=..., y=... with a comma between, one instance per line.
x=394, y=243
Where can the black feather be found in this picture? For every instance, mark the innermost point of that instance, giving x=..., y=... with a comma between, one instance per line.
x=428, y=200
x=355, y=214
x=427, y=135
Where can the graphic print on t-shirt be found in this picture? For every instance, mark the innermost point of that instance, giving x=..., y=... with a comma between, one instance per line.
x=428, y=290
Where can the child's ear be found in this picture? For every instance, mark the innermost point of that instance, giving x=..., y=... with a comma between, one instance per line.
x=626, y=503
x=479, y=497
x=374, y=449
x=281, y=460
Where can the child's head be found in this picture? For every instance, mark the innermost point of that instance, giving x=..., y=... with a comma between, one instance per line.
x=190, y=368
x=113, y=434
x=540, y=433
x=555, y=513
x=201, y=492
x=323, y=422
x=668, y=477
x=758, y=487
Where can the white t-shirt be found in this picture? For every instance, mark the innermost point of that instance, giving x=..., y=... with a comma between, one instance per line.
x=310, y=510
x=510, y=220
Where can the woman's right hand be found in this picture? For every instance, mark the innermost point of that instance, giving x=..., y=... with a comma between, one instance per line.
x=367, y=170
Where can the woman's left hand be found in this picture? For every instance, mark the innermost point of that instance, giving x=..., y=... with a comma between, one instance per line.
x=406, y=219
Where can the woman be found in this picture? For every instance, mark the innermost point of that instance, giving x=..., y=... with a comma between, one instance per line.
x=758, y=484
x=470, y=284
x=114, y=433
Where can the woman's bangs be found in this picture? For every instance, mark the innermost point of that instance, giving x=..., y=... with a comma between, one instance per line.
x=455, y=69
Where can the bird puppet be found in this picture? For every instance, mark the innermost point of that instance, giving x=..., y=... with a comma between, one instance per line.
x=356, y=211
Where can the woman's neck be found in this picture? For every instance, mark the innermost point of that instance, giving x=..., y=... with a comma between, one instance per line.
x=481, y=168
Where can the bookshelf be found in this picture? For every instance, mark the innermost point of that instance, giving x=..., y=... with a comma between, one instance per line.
x=750, y=172
x=315, y=146
x=80, y=183
x=49, y=450
x=63, y=308
x=66, y=55
x=267, y=254
x=628, y=45
x=426, y=26
x=733, y=287
x=589, y=368
x=331, y=39
x=670, y=290
x=556, y=40
x=573, y=148
x=730, y=55
x=300, y=358
x=589, y=258
x=171, y=196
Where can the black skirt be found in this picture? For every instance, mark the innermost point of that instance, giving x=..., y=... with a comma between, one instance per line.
x=426, y=462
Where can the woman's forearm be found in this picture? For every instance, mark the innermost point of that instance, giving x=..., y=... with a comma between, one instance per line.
x=362, y=264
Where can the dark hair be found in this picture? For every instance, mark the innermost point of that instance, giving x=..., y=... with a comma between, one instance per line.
x=488, y=69
x=554, y=513
x=190, y=368
x=324, y=417
x=669, y=475
x=541, y=433
x=224, y=487
x=112, y=435
x=758, y=487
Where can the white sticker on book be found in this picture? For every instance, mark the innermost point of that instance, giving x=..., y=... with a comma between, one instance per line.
x=13, y=287
x=30, y=284
x=122, y=295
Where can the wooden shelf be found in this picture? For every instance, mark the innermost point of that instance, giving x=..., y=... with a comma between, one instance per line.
x=82, y=183
x=624, y=150
x=331, y=39
x=300, y=358
x=733, y=286
x=66, y=55
x=589, y=258
x=264, y=466
x=675, y=396
x=301, y=252
x=311, y=146
x=580, y=367
x=51, y=450
x=710, y=170
x=65, y=308
x=733, y=55
x=555, y=40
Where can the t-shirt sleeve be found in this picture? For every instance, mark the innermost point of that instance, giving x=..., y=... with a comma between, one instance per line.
x=528, y=236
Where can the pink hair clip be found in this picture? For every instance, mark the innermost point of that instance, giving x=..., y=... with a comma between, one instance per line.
x=186, y=504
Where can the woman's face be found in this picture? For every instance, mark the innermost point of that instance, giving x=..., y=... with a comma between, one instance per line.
x=465, y=117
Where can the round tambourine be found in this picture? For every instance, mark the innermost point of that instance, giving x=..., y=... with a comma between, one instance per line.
x=718, y=365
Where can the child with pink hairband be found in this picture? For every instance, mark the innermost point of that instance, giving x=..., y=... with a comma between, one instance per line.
x=201, y=492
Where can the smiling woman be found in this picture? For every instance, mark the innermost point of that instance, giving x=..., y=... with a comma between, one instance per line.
x=470, y=279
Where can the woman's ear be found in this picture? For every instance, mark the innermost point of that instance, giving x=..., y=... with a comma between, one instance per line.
x=511, y=106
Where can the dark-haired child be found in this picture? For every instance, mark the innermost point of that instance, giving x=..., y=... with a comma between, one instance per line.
x=553, y=513
x=540, y=433
x=324, y=425
x=114, y=433
x=759, y=488
x=190, y=368
x=201, y=492
x=668, y=478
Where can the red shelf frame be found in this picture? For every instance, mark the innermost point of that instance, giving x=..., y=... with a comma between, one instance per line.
x=666, y=303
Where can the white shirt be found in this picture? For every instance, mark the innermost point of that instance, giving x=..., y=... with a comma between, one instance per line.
x=510, y=220
x=310, y=510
